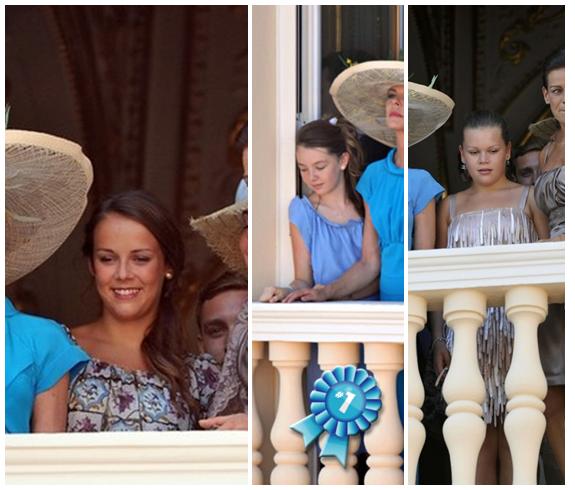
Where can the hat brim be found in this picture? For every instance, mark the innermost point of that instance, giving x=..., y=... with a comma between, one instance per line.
x=428, y=110
x=360, y=92
x=544, y=129
x=222, y=230
x=47, y=181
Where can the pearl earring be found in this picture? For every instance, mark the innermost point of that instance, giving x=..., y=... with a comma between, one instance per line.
x=169, y=275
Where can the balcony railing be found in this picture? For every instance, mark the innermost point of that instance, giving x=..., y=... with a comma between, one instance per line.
x=199, y=457
x=338, y=328
x=524, y=279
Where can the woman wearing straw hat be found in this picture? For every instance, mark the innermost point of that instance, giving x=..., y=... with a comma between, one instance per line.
x=47, y=181
x=226, y=233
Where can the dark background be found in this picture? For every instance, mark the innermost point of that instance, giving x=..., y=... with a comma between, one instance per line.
x=151, y=93
x=487, y=57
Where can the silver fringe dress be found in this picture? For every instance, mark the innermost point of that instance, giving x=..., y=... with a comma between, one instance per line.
x=498, y=226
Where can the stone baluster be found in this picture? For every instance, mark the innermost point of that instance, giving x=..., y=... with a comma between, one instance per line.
x=257, y=431
x=464, y=389
x=290, y=359
x=525, y=384
x=384, y=440
x=330, y=355
x=416, y=393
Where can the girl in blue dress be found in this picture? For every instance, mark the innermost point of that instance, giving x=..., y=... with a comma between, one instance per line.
x=326, y=227
x=371, y=97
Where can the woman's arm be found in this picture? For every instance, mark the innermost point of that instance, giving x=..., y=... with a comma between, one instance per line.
x=51, y=408
x=424, y=228
x=442, y=224
x=358, y=276
x=303, y=275
x=236, y=421
x=539, y=218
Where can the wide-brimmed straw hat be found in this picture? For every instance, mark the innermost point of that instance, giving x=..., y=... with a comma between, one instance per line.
x=545, y=128
x=429, y=109
x=360, y=93
x=222, y=230
x=47, y=181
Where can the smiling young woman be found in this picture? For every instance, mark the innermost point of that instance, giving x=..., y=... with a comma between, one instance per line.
x=137, y=377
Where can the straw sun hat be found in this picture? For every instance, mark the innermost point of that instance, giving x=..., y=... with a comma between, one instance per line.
x=360, y=93
x=545, y=128
x=429, y=109
x=47, y=181
x=222, y=230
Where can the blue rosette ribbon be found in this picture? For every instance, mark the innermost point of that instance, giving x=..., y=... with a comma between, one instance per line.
x=345, y=401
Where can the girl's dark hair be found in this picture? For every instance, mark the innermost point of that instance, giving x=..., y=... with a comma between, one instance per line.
x=487, y=119
x=163, y=344
x=553, y=63
x=337, y=139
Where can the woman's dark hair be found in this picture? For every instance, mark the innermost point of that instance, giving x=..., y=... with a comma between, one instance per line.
x=553, y=63
x=163, y=344
x=337, y=139
x=487, y=119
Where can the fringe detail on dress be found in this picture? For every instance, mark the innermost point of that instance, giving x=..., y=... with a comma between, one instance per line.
x=504, y=226
x=494, y=352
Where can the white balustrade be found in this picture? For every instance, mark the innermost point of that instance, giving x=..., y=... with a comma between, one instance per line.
x=384, y=440
x=417, y=316
x=464, y=389
x=330, y=355
x=525, y=384
x=290, y=359
x=339, y=329
x=198, y=457
x=524, y=278
x=257, y=431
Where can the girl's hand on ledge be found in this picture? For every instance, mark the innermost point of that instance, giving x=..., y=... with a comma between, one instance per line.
x=236, y=421
x=272, y=294
x=315, y=294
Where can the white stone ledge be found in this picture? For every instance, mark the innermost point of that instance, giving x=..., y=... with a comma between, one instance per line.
x=128, y=457
x=346, y=321
x=492, y=270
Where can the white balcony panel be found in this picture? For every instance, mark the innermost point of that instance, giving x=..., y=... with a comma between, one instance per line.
x=351, y=321
x=128, y=457
x=492, y=270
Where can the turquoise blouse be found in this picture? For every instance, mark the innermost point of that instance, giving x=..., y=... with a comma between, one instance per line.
x=38, y=353
x=381, y=187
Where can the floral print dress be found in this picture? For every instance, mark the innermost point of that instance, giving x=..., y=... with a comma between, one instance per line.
x=106, y=397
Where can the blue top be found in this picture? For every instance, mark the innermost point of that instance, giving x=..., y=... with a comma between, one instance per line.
x=422, y=189
x=38, y=353
x=333, y=247
x=381, y=187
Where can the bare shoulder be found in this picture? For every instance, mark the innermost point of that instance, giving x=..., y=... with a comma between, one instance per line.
x=86, y=335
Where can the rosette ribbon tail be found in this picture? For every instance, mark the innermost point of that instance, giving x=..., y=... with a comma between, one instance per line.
x=336, y=446
x=308, y=428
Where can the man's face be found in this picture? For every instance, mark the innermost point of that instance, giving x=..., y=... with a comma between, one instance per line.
x=217, y=319
x=527, y=167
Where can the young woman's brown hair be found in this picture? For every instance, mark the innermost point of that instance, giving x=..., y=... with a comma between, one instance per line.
x=337, y=139
x=162, y=346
